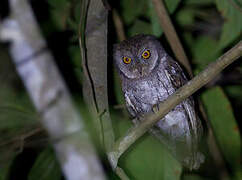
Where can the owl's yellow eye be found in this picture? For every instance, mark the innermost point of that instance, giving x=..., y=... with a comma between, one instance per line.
x=126, y=60
x=146, y=54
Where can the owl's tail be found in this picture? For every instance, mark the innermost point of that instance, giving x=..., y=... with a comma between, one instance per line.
x=194, y=161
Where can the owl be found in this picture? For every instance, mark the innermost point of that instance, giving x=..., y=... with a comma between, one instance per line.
x=149, y=75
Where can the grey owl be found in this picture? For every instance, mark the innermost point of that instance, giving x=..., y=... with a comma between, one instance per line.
x=149, y=75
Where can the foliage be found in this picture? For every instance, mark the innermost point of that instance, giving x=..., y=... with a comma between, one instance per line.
x=207, y=28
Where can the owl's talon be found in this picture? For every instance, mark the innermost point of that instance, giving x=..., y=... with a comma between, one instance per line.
x=155, y=108
x=135, y=121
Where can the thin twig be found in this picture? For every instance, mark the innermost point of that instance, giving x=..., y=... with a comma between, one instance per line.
x=235, y=5
x=171, y=35
x=118, y=25
x=182, y=93
x=121, y=174
x=23, y=137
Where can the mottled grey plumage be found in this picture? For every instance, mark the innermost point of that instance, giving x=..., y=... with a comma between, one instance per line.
x=149, y=81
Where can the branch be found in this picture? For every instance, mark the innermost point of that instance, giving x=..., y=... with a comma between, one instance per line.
x=164, y=107
x=235, y=5
x=49, y=94
x=171, y=35
x=118, y=25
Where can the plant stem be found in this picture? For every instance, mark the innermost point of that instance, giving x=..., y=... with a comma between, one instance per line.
x=118, y=25
x=171, y=34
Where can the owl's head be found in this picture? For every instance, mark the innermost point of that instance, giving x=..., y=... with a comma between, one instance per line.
x=137, y=56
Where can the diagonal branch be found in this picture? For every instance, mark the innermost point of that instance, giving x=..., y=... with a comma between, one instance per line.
x=119, y=27
x=171, y=34
x=164, y=107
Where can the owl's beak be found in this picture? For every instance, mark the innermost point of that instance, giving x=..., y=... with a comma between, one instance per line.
x=141, y=70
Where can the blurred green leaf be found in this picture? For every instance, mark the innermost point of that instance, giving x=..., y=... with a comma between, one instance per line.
x=45, y=167
x=58, y=3
x=17, y=115
x=224, y=125
x=235, y=92
x=139, y=27
x=238, y=174
x=203, y=50
x=155, y=24
x=75, y=57
x=147, y=158
x=132, y=9
x=185, y=16
x=118, y=89
x=193, y=177
x=4, y=169
x=135, y=9
x=172, y=5
x=233, y=24
x=198, y=2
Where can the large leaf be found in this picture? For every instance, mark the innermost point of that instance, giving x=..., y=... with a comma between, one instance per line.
x=224, y=125
x=147, y=158
x=45, y=167
x=233, y=24
x=203, y=51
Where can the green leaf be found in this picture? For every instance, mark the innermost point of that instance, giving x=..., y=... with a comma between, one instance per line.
x=133, y=9
x=196, y=2
x=155, y=24
x=220, y=115
x=203, y=51
x=232, y=26
x=185, y=16
x=139, y=27
x=75, y=57
x=193, y=177
x=234, y=91
x=4, y=169
x=17, y=115
x=45, y=167
x=60, y=13
x=172, y=5
x=147, y=158
x=58, y=3
x=118, y=89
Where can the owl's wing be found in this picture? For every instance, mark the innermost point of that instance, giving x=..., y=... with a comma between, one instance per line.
x=130, y=99
x=177, y=78
x=175, y=73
